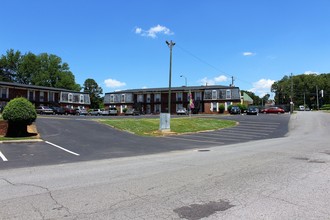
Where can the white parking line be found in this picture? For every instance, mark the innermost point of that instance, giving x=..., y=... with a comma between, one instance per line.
x=71, y=152
x=3, y=156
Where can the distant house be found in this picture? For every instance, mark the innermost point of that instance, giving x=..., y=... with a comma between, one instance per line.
x=205, y=99
x=43, y=96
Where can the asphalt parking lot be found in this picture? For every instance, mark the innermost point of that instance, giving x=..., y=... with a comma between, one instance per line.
x=69, y=139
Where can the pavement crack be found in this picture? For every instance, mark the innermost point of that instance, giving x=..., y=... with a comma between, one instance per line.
x=58, y=206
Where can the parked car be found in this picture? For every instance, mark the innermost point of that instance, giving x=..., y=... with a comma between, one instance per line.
x=274, y=110
x=69, y=111
x=98, y=112
x=132, y=112
x=301, y=108
x=181, y=111
x=81, y=111
x=113, y=111
x=44, y=110
x=235, y=110
x=252, y=111
x=58, y=110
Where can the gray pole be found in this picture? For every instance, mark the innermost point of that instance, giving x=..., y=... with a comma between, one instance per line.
x=170, y=45
x=291, y=102
x=317, y=98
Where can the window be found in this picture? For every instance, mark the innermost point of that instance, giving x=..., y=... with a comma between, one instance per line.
x=112, y=98
x=157, y=108
x=208, y=94
x=140, y=98
x=51, y=96
x=228, y=94
x=148, y=98
x=82, y=99
x=70, y=97
x=179, y=96
x=198, y=96
x=31, y=95
x=4, y=93
x=214, y=94
x=214, y=106
x=122, y=98
x=41, y=96
x=157, y=97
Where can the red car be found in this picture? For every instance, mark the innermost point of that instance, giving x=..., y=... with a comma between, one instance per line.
x=275, y=110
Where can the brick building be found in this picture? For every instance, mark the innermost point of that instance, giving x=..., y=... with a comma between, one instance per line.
x=206, y=99
x=43, y=96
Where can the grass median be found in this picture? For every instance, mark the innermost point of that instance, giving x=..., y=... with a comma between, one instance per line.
x=150, y=127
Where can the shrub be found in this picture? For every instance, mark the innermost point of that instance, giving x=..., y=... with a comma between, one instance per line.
x=242, y=107
x=19, y=113
x=229, y=108
x=325, y=107
x=221, y=108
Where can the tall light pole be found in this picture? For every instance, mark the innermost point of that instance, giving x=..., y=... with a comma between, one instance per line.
x=170, y=45
x=185, y=80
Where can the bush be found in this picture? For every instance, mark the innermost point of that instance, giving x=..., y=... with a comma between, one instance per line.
x=325, y=107
x=221, y=108
x=19, y=113
x=242, y=107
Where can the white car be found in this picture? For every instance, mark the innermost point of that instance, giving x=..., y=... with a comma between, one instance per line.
x=181, y=111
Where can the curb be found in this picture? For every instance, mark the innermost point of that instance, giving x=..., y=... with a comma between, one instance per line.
x=21, y=141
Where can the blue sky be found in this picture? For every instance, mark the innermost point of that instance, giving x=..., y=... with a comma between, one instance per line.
x=121, y=44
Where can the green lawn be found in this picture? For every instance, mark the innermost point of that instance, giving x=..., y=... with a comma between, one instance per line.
x=150, y=127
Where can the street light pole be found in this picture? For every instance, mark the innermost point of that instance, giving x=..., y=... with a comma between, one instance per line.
x=185, y=80
x=170, y=45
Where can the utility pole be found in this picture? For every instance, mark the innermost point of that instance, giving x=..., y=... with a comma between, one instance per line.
x=291, y=102
x=170, y=45
x=317, y=98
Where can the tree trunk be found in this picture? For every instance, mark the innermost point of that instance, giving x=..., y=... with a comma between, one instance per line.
x=16, y=129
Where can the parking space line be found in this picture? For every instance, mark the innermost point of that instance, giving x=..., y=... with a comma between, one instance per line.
x=3, y=156
x=71, y=152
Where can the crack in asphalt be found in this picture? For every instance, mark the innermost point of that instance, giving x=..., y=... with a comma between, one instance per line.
x=59, y=205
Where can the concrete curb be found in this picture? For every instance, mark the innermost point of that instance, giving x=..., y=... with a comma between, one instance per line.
x=21, y=141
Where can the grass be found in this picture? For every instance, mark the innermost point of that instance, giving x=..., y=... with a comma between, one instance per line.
x=150, y=127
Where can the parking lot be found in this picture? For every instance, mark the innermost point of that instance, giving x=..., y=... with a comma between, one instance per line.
x=67, y=139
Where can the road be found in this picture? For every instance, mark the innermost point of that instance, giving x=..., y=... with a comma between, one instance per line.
x=73, y=139
x=280, y=178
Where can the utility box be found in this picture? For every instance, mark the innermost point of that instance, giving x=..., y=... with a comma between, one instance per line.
x=164, y=125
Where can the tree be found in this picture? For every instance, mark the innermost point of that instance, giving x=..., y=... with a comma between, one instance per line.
x=19, y=113
x=9, y=65
x=94, y=91
x=305, y=88
x=41, y=70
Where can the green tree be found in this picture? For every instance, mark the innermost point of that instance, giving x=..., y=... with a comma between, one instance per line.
x=9, y=65
x=41, y=70
x=19, y=113
x=94, y=91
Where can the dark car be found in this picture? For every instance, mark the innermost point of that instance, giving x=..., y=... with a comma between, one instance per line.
x=252, y=111
x=132, y=112
x=44, y=110
x=274, y=110
x=235, y=110
x=58, y=110
x=70, y=111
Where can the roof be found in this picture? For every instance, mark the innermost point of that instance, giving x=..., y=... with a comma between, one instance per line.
x=18, y=85
x=247, y=98
x=166, y=89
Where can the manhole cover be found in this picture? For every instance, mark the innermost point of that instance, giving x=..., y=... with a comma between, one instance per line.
x=198, y=211
x=203, y=150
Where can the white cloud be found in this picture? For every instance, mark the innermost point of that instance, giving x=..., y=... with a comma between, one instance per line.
x=311, y=73
x=112, y=83
x=262, y=87
x=153, y=31
x=218, y=79
x=248, y=54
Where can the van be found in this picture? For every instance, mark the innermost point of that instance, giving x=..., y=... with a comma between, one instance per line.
x=301, y=108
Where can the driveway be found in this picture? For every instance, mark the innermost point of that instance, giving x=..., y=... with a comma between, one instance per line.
x=72, y=139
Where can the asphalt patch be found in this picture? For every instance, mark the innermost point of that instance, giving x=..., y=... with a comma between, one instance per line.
x=199, y=211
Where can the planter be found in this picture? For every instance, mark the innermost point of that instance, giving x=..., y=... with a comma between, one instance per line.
x=3, y=127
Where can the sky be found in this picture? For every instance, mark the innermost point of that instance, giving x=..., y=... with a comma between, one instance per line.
x=121, y=44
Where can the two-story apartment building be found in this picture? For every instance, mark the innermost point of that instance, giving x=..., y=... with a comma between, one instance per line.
x=206, y=99
x=43, y=96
